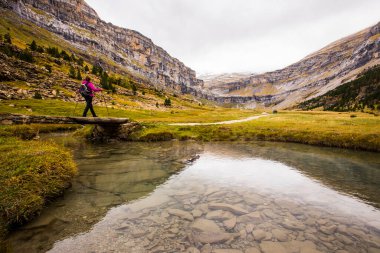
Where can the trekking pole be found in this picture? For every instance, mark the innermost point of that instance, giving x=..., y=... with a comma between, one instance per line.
x=104, y=100
x=76, y=104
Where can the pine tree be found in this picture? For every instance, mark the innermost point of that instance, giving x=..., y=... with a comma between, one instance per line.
x=65, y=56
x=104, y=81
x=33, y=46
x=80, y=62
x=94, y=70
x=134, y=89
x=7, y=38
x=53, y=51
x=167, y=102
x=73, y=57
x=26, y=55
x=79, y=76
x=97, y=70
x=72, y=73
x=86, y=69
x=40, y=49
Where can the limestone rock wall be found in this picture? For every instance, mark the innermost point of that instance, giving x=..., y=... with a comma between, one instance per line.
x=312, y=76
x=79, y=24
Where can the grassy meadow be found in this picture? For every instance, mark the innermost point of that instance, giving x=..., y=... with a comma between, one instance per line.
x=336, y=129
x=344, y=130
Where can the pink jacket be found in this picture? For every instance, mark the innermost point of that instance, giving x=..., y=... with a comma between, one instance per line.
x=91, y=87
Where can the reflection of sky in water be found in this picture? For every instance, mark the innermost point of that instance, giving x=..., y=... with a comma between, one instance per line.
x=272, y=178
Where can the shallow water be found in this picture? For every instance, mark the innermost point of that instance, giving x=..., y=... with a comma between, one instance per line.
x=258, y=197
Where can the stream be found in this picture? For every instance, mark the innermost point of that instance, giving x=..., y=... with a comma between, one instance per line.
x=212, y=197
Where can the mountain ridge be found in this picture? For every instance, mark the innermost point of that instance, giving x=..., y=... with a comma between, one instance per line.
x=129, y=50
x=313, y=75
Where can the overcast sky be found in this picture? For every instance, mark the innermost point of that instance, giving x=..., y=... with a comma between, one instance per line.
x=218, y=36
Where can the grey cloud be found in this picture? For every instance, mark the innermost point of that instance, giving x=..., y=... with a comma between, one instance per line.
x=223, y=35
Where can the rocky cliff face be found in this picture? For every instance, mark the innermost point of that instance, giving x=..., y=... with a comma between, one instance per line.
x=134, y=53
x=312, y=76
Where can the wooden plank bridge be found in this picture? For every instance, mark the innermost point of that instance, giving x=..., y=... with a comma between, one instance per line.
x=105, y=128
x=9, y=119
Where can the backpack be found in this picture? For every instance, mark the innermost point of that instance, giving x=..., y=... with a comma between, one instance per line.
x=84, y=90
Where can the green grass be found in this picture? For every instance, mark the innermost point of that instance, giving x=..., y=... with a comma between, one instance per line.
x=28, y=132
x=31, y=173
x=315, y=128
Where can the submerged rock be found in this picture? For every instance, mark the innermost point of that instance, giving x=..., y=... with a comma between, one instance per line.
x=328, y=230
x=227, y=207
x=249, y=228
x=206, y=248
x=180, y=213
x=293, y=224
x=302, y=247
x=280, y=234
x=192, y=250
x=204, y=225
x=211, y=237
x=259, y=234
x=230, y=224
x=196, y=213
x=219, y=215
x=252, y=250
x=254, y=217
x=272, y=247
x=227, y=251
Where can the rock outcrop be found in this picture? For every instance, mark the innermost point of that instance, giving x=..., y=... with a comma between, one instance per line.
x=312, y=76
x=110, y=46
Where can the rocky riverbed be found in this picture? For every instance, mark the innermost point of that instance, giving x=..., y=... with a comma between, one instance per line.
x=228, y=204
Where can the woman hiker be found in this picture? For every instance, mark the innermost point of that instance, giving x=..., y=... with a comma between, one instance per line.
x=87, y=90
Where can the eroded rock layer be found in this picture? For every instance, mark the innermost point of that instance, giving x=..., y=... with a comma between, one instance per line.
x=312, y=76
x=111, y=45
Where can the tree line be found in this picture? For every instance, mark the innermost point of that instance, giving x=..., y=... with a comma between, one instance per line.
x=356, y=95
x=77, y=64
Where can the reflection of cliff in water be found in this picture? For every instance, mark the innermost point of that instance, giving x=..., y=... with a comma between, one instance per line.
x=109, y=175
x=352, y=172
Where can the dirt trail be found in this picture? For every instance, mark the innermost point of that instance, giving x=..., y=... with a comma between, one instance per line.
x=221, y=122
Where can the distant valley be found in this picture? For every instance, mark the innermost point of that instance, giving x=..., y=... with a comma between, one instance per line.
x=316, y=74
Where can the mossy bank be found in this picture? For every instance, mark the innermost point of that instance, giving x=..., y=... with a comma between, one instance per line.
x=32, y=172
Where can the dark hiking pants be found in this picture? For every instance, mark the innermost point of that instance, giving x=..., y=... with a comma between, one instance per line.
x=88, y=106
